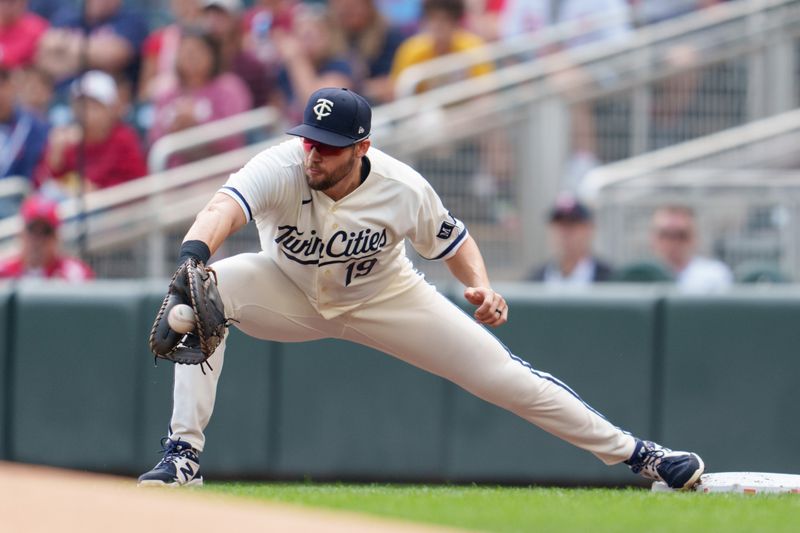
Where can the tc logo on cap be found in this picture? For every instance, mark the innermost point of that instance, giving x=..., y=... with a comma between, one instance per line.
x=348, y=125
x=323, y=108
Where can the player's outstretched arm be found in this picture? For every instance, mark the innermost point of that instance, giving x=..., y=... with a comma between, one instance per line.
x=220, y=218
x=468, y=267
x=192, y=285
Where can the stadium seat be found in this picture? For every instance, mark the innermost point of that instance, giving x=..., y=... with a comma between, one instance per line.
x=754, y=272
x=643, y=272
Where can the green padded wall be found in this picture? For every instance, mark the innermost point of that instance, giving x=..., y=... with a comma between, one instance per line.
x=239, y=439
x=348, y=411
x=717, y=374
x=731, y=379
x=75, y=387
x=6, y=340
x=600, y=345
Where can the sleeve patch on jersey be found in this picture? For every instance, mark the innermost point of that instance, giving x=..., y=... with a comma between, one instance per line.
x=446, y=230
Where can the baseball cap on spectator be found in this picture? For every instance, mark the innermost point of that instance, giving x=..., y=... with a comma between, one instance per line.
x=37, y=208
x=97, y=85
x=568, y=209
x=337, y=117
x=231, y=6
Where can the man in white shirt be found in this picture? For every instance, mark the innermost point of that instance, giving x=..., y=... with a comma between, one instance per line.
x=674, y=241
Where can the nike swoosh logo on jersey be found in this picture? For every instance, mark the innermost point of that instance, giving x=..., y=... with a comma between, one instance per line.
x=304, y=202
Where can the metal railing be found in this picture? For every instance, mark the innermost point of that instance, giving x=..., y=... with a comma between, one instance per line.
x=12, y=190
x=520, y=48
x=743, y=184
x=630, y=90
x=766, y=143
x=734, y=27
x=266, y=119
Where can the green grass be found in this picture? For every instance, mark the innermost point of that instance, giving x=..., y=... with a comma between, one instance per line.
x=540, y=509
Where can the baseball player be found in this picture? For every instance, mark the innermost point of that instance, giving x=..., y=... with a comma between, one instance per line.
x=333, y=214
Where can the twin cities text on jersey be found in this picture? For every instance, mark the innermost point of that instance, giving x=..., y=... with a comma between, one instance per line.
x=308, y=248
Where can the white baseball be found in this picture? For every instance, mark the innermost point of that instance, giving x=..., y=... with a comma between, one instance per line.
x=181, y=318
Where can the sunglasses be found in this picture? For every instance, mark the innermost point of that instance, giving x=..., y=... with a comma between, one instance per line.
x=322, y=149
x=674, y=235
x=40, y=229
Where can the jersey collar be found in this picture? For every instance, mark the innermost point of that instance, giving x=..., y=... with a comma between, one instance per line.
x=366, y=168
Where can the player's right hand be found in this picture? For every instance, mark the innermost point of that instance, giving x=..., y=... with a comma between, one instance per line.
x=492, y=307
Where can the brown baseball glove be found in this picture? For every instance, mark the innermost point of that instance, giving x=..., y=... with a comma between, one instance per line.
x=195, y=285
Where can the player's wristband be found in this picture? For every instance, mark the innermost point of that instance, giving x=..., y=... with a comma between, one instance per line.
x=194, y=249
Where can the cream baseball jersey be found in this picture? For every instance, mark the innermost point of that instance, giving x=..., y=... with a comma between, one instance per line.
x=342, y=253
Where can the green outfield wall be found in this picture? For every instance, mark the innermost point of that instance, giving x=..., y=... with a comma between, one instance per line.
x=6, y=371
x=717, y=374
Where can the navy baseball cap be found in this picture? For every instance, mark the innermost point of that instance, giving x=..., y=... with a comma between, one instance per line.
x=338, y=117
x=568, y=209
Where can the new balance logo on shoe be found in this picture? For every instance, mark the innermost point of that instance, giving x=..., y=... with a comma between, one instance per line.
x=187, y=471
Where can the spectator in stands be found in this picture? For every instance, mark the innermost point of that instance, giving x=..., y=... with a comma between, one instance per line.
x=441, y=34
x=223, y=19
x=260, y=21
x=103, y=34
x=571, y=234
x=20, y=32
x=371, y=44
x=36, y=89
x=311, y=59
x=98, y=148
x=160, y=50
x=205, y=93
x=674, y=241
x=23, y=135
x=40, y=255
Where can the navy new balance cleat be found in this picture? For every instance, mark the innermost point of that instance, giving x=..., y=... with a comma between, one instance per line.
x=180, y=466
x=679, y=470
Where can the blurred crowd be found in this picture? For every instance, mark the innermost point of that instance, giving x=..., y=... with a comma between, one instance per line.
x=674, y=253
x=87, y=87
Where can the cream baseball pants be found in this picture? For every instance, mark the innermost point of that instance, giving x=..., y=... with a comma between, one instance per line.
x=445, y=341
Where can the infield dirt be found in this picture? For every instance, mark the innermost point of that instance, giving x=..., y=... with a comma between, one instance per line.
x=38, y=499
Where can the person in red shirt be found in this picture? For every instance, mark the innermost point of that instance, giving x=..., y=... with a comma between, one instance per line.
x=40, y=255
x=20, y=32
x=99, y=146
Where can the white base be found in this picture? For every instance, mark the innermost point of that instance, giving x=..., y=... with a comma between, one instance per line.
x=742, y=482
